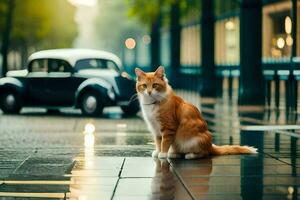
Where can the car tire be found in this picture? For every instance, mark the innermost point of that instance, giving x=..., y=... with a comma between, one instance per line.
x=91, y=104
x=132, y=108
x=10, y=103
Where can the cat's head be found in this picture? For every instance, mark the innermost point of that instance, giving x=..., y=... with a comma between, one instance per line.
x=152, y=85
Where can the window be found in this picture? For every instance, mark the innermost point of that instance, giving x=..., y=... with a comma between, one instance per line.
x=165, y=52
x=112, y=65
x=39, y=65
x=277, y=30
x=190, y=55
x=56, y=65
x=227, y=41
x=93, y=63
x=227, y=32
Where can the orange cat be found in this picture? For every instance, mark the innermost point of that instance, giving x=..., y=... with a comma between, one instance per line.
x=177, y=126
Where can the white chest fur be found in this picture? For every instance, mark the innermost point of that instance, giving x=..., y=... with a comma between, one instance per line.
x=150, y=114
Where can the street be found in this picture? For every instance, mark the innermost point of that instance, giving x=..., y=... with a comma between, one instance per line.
x=67, y=156
x=35, y=134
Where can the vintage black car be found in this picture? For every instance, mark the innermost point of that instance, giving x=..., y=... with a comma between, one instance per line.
x=82, y=78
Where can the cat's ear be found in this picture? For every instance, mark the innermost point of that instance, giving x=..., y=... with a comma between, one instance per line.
x=160, y=72
x=139, y=73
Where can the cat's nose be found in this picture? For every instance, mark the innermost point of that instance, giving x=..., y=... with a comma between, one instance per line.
x=149, y=92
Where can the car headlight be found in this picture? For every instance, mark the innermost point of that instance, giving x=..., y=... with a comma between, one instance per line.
x=111, y=94
x=126, y=75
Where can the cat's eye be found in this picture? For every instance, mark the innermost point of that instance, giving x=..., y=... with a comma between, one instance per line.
x=155, y=85
x=143, y=86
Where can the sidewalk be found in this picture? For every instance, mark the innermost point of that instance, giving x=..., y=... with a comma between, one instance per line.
x=47, y=159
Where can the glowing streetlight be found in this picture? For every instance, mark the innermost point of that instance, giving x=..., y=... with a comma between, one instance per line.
x=288, y=25
x=130, y=43
x=290, y=190
x=280, y=42
x=229, y=25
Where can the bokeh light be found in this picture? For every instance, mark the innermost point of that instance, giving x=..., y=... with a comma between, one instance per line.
x=280, y=42
x=229, y=25
x=146, y=39
x=89, y=3
x=130, y=43
x=288, y=25
x=289, y=40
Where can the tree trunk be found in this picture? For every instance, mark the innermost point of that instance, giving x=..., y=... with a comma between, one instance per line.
x=24, y=56
x=6, y=35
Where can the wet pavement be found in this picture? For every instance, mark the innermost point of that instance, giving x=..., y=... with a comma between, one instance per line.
x=45, y=156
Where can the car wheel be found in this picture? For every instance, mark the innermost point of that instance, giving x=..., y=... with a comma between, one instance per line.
x=132, y=108
x=9, y=103
x=91, y=104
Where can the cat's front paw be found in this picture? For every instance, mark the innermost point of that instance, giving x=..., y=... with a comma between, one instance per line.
x=162, y=155
x=155, y=153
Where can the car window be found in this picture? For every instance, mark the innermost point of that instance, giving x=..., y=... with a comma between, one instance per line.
x=93, y=63
x=112, y=65
x=39, y=65
x=56, y=65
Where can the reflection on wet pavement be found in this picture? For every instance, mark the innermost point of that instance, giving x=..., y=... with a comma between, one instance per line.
x=150, y=179
x=71, y=157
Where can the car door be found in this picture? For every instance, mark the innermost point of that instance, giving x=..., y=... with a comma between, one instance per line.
x=36, y=82
x=61, y=85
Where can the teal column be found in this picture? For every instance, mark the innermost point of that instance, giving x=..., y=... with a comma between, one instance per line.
x=251, y=84
x=252, y=167
x=155, y=43
x=175, y=34
x=208, y=75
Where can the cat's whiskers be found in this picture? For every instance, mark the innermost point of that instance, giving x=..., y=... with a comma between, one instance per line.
x=162, y=97
x=150, y=99
x=147, y=104
x=133, y=98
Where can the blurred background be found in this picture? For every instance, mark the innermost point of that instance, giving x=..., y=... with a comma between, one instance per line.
x=32, y=25
x=237, y=60
x=213, y=44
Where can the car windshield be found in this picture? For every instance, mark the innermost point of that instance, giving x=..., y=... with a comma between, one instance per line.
x=95, y=63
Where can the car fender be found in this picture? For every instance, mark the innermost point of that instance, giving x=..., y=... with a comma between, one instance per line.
x=99, y=85
x=10, y=83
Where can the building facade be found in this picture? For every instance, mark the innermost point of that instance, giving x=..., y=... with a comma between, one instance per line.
x=247, y=38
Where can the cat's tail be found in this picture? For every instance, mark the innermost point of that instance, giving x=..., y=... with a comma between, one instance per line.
x=232, y=149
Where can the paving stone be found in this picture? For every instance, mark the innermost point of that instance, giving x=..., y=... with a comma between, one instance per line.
x=28, y=198
x=33, y=188
x=150, y=188
x=162, y=182
x=47, y=167
x=141, y=167
x=98, y=163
